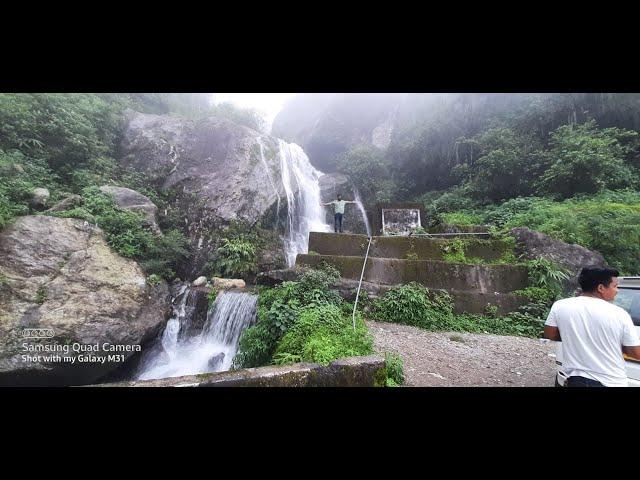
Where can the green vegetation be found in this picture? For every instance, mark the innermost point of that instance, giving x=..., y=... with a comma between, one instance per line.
x=237, y=249
x=547, y=276
x=413, y=304
x=213, y=294
x=66, y=142
x=608, y=222
x=303, y=321
x=370, y=172
x=236, y=257
x=395, y=370
x=41, y=294
x=454, y=252
x=564, y=164
x=127, y=234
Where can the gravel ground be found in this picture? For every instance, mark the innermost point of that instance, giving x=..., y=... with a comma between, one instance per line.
x=453, y=359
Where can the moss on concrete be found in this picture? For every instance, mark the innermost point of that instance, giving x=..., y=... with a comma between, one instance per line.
x=419, y=248
x=431, y=273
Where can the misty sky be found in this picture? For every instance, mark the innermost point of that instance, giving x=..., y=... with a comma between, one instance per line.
x=267, y=103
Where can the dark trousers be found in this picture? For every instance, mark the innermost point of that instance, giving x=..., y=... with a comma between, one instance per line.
x=337, y=222
x=582, y=382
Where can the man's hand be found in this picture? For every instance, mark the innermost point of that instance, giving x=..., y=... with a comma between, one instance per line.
x=633, y=352
x=552, y=333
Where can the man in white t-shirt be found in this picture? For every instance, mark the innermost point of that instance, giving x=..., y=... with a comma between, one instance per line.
x=338, y=207
x=594, y=332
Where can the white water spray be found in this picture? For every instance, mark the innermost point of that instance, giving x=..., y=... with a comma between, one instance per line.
x=273, y=185
x=362, y=210
x=210, y=350
x=305, y=212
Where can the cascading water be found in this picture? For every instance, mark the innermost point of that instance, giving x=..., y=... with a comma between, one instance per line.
x=266, y=167
x=210, y=350
x=304, y=207
x=362, y=210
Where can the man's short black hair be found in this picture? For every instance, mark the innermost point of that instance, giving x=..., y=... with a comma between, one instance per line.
x=591, y=277
x=338, y=195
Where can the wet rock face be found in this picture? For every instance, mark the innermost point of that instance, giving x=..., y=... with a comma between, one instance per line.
x=214, y=167
x=215, y=160
x=60, y=274
x=531, y=245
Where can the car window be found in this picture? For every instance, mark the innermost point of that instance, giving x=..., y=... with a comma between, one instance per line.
x=629, y=299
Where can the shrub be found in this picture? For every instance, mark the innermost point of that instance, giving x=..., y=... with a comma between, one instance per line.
x=128, y=235
x=302, y=321
x=547, y=275
x=454, y=252
x=323, y=334
x=413, y=304
x=395, y=369
x=236, y=258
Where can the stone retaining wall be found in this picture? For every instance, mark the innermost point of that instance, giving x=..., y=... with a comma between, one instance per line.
x=347, y=372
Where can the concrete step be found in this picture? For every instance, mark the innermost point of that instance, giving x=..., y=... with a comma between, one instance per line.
x=430, y=273
x=463, y=301
x=420, y=248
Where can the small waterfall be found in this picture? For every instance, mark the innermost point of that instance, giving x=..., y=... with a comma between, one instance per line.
x=210, y=350
x=362, y=211
x=305, y=212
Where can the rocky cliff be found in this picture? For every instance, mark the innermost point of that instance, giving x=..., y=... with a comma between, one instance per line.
x=328, y=124
x=220, y=172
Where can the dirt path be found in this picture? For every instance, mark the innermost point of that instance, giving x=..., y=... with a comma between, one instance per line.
x=452, y=359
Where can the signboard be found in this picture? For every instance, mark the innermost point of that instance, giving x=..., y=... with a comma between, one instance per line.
x=400, y=221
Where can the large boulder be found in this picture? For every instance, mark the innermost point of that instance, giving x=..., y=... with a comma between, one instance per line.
x=531, y=245
x=214, y=161
x=128, y=199
x=59, y=275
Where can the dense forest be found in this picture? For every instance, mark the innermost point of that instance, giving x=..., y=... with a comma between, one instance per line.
x=565, y=164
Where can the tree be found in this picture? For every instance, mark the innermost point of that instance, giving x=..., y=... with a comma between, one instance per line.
x=370, y=173
x=585, y=159
x=500, y=163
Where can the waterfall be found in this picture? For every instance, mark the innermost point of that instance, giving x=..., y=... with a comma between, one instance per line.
x=210, y=350
x=305, y=212
x=266, y=167
x=362, y=210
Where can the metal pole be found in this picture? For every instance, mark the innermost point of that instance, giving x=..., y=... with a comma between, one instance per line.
x=355, y=305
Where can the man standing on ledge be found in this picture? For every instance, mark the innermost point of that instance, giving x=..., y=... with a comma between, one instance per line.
x=594, y=333
x=338, y=209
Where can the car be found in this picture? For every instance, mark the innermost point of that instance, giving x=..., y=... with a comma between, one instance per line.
x=628, y=297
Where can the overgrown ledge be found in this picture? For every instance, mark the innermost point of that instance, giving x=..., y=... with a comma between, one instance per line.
x=369, y=371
